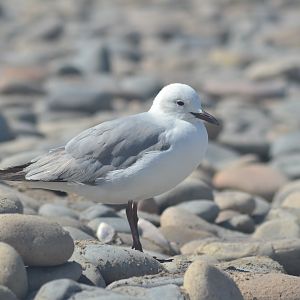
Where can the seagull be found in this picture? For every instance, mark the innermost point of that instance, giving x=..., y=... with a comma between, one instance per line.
x=127, y=159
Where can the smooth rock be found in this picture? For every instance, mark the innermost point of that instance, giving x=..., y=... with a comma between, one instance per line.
x=12, y=271
x=96, y=211
x=283, y=192
x=256, y=179
x=268, y=286
x=288, y=164
x=181, y=235
x=234, y=200
x=286, y=144
x=119, y=224
x=261, y=209
x=292, y=200
x=10, y=204
x=277, y=229
x=203, y=281
x=38, y=241
x=284, y=251
x=77, y=234
x=174, y=216
x=242, y=223
x=226, y=215
x=117, y=263
x=38, y=276
x=148, y=206
x=189, y=189
x=6, y=132
x=78, y=95
x=90, y=273
x=205, y=209
x=105, y=233
x=62, y=288
x=57, y=210
x=6, y=293
x=252, y=264
x=169, y=292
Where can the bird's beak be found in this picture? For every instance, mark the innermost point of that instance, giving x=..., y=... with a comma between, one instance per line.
x=203, y=115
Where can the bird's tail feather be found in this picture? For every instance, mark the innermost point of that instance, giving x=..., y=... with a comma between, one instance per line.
x=15, y=173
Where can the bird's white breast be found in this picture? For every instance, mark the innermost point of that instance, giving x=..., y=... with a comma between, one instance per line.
x=156, y=172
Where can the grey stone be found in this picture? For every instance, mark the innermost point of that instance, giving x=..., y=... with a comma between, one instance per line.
x=68, y=289
x=234, y=200
x=189, y=189
x=205, y=209
x=253, y=264
x=117, y=263
x=288, y=164
x=218, y=156
x=77, y=234
x=38, y=241
x=261, y=209
x=6, y=133
x=284, y=191
x=169, y=292
x=51, y=209
x=96, y=211
x=90, y=273
x=286, y=144
x=203, y=281
x=77, y=95
x=12, y=271
x=277, y=229
x=242, y=223
x=6, y=293
x=119, y=224
x=10, y=204
x=140, y=87
x=38, y=276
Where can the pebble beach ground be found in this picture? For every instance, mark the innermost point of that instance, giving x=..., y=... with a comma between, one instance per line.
x=232, y=227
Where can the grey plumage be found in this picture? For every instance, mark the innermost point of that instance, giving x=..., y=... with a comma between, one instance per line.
x=112, y=145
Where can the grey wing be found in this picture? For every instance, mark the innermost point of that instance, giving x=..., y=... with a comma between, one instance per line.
x=110, y=146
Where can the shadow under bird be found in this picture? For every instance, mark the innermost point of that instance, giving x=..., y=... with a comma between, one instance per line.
x=127, y=159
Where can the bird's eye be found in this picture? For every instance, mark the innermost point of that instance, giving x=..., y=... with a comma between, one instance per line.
x=181, y=103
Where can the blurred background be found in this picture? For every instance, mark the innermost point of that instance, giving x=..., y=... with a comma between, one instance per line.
x=66, y=65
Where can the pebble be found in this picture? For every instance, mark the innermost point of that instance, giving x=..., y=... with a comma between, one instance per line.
x=57, y=210
x=241, y=223
x=252, y=264
x=117, y=263
x=181, y=235
x=38, y=241
x=286, y=144
x=6, y=293
x=277, y=229
x=6, y=133
x=268, y=286
x=105, y=233
x=284, y=251
x=203, y=281
x=283, y=192
x=58, y=289
x=96, y=211
x=204, y=209
x=10, y=204
x=12, y=271
x=174, y=216
x=288, y=164
x=78, y=95
x=233, y=200
x=189, y=189
x=148, y=206
x=256, y=179
x=38, y=276
x=119, y=224
x=292, y=200
x=77, y=234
